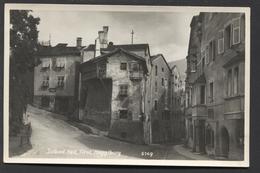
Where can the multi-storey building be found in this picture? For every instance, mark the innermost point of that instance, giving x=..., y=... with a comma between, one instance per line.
x=113, y=94
x=177, y=111
x=56, y=78
x=160, y=112
x=215, y=85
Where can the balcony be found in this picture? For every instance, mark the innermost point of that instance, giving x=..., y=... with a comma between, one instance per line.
x=234, y=107
x=199, y=110
x=136, y=75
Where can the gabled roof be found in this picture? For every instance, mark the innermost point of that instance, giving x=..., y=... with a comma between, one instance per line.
x=104, y=57
x=59, y=49
x=154, y=57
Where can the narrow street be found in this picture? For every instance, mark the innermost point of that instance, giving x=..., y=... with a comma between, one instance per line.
x=55, y=138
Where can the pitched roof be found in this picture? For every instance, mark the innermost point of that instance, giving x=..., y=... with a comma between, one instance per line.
x=107, y=55
x=154, y=57
x=127, y=47
x=59, y=49
x=90, y=47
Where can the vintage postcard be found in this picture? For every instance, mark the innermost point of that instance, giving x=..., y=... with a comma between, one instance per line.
x=127, y=85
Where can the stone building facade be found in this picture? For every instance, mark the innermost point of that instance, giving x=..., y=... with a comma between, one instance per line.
x=56, y=78
x=215, y=85
x=113, y=94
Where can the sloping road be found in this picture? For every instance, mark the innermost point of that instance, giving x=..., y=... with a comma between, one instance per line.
x=55, y=138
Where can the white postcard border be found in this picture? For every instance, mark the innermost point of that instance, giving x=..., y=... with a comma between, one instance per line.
x=118, y=8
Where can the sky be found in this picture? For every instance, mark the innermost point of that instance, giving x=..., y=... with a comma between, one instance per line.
x=165, y=32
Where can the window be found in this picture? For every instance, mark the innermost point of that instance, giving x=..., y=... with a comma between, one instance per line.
x=211, y=96
x=202, y=94
x=156, y=70
x=203, y=63
x=212, y=51
x=45, y=82
x=123, y=66
x=134, y=67
x=229, y=83
x=227, y=37
x=156, y=87
x=101, y=70
x=236, y=31
x=162, y=81
x=123, y=114
x=193, y=66
x=60, y=63
x=236, y=73
x=46, y=63
x=60, y=82
x=155, y=105
x=221, y=42
x=162, y=69
x=123, y=90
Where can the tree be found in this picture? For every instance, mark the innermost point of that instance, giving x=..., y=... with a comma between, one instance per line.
x=23, y=47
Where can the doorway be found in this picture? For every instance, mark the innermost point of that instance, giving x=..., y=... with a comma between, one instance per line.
x=225, y=141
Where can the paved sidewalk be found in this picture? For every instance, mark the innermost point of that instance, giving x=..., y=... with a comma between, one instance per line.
x=187, y=153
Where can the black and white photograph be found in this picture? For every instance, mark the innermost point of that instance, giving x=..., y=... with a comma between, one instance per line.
x=126, y=85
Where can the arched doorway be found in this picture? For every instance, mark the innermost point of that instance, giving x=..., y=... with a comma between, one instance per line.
x=225, y=141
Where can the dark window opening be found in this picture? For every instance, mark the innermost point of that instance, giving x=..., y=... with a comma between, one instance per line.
x=123, y=90
x=123, y=66
x=227, y=37
x=211, y=96
x=155, y=105
x=123, y=114
x=202, y=94
x=236, y=74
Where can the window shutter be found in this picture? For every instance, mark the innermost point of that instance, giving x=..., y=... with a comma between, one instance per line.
x=207, y=54
x=236, y=31
x=220, y=46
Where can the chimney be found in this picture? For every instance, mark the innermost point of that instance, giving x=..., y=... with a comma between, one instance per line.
x=101, y=36
x=105, y=30
x=79, y=42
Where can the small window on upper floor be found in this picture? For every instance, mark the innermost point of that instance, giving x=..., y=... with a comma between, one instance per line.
x=60, y=63
x=60, y=82
x=123, y=90
x=221, y=42
x=162, y=69
x=156, y=70
x=162, y=81
x=45, y=83
x=155, y=105
x=123, y=66
x=46, y=63
x=236, y=31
